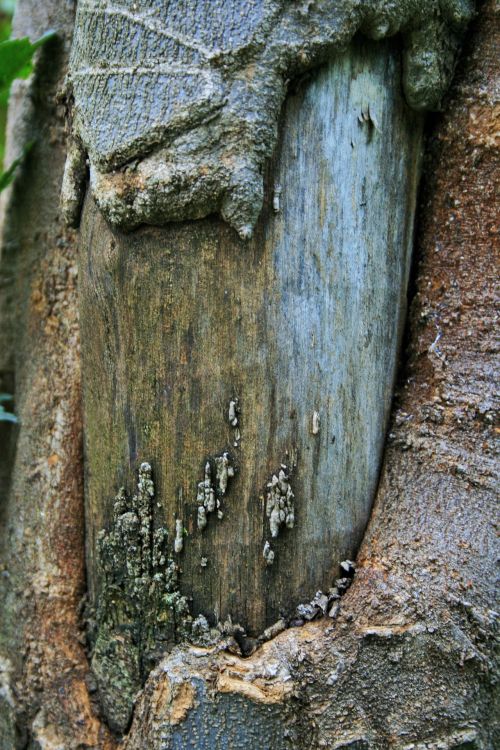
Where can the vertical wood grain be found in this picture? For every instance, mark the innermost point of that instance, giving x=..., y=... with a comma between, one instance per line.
x=306, y=317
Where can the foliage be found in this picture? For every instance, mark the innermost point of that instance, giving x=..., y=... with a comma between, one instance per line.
x=7, y=7
x=6, y=416
x=16, y=58
x=16, y=61
x=9, y=174
x=6, y=11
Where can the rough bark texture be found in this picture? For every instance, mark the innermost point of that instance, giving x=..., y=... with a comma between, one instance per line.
x=410, y=661
x=44, y=702
x=177, y=104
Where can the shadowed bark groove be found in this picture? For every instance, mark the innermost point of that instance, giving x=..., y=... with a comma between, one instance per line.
x=410, y=662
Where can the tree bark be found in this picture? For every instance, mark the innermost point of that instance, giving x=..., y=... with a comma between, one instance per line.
x=409, y=660
x=304, y=319
x=298, y=329
x=44, y=701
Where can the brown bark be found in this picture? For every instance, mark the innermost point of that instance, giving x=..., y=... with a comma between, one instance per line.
x=44, y=699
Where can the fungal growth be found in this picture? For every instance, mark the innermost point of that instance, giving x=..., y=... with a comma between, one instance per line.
x=175, y=104
x=233, y=413
x=280, y=508
x=328, y=603
x=268, y=553
x=280, y=502
x=205, y=497
x=234, y=420
x=277, y=199
x=179, y=536
x=210, y=493
x=223, y=472
x=139, y=611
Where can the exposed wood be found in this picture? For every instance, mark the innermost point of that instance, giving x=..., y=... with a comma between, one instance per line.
x=411, y=663
x=305, y=318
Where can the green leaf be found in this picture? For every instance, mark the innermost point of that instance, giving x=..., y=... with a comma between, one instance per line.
x=9, y=174
x=5, y=397
x=7, y=6
x=5, y=28
x=6, y=416
x=16, y=56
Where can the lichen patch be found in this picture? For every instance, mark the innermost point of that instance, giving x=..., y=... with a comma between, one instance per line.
x=213, y=488
x=139, y=612
x=280, y=502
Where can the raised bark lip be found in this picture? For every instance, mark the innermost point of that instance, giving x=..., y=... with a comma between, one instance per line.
x=203, y=150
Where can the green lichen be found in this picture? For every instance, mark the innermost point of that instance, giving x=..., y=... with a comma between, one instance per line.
x=139, y=611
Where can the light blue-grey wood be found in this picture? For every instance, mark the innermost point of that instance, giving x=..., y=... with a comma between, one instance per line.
x=304, y=318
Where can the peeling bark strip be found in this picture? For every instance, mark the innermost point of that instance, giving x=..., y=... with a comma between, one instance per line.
x=177, y=103
x=300, y=325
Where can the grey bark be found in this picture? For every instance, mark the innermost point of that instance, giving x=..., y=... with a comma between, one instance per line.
x=187, y=95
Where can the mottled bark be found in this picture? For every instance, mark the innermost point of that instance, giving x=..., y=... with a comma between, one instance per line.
x=44, y=702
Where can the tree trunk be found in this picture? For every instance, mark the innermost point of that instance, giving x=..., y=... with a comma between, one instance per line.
x=300, y=324
x=299, y=329
x=303, y=319
x=43, y=695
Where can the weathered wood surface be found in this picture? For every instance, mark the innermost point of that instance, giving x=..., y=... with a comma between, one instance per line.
x=305, y=318
x=411, y=662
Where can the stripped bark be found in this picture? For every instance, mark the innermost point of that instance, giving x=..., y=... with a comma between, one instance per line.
x=410, y=661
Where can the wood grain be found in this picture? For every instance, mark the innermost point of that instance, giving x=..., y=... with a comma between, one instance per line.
x=306, y=317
